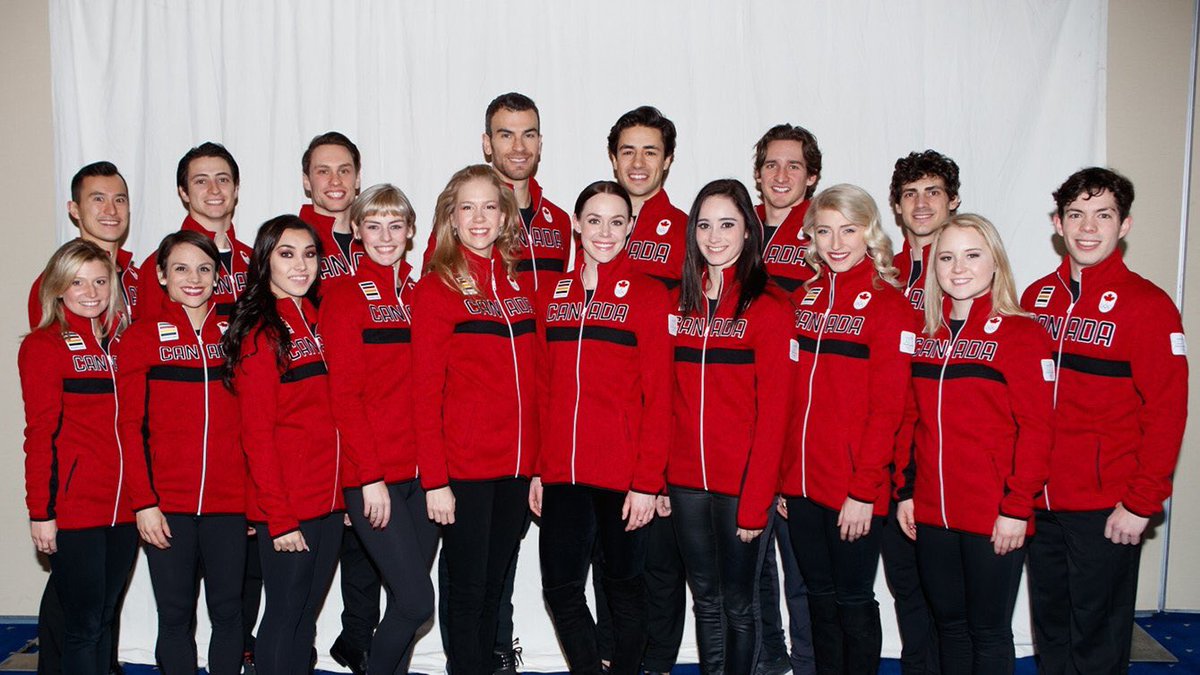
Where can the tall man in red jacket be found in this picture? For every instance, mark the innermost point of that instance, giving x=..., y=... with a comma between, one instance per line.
x=1120, y=409
x=787, y=166
x=330, y=170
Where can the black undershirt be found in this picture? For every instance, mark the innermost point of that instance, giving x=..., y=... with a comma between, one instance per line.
x=527, y=215
x=712, y=307
x=769, y=231
x=1075, y=290
x=915, y=274
x=343, y=240
x=955, y=326
x=587, y=295
x=227, y=260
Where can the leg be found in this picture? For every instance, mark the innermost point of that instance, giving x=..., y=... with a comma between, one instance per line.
x=795, y=593
x=623, y=565
x=50, y=631
x=604, y=629
x=691, y=511
x=665, y=596
x=510, y=522
x=252, y=586
x=288, y=583
x=773, y=652
x=223, y=555
x=325, y=544
x=740, y=565
x=121, y=546
x=174, y=573
x=942, y=560
x=808, y=525
x=465, y=550
x=360, y=603
x=506, y=650
x=918, y=641
x=991, y=594
x=566, y=543
x=1049, y=596
x=854, y=567
x=79, y=575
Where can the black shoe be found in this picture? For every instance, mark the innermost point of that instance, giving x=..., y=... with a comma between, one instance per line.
x=348, y=657
x=508, y=660
x=779, y=666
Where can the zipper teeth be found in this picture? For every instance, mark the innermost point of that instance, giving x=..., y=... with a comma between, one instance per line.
x=112, y=374
x=941, y=435
x=204, y=444
x=537, y=211
x=1062, y=334
x=578, y=384
x=703, y=369
x=812, y=375
x=512, y=343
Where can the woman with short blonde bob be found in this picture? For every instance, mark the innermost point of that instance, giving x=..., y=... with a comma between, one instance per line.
x=854, y=339
x=983, y=384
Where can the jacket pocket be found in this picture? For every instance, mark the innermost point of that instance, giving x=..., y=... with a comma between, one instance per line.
x=70, y=475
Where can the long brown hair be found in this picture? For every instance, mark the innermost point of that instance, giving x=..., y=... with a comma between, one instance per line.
x=448, y=261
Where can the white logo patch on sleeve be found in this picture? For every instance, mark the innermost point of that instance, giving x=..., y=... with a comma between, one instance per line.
x=1178, y=344
x=908, y=342
x=167, y=332
x=673, y=324
x=1048, y=370
x=794, y=349
x=562, y=289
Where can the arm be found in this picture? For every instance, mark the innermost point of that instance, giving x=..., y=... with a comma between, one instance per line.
x=1031, y=397
x=258, y=385
x=41, y=389
x=658, y=386
x=904, y=461
x=131, y=352
x=150, y=294
x=432, y=332
x=35, y=303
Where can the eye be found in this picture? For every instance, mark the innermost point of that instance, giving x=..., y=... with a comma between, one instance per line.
x=945, y=257
x=285, y=254
x=593, y=221
x=727, y=224
x=77, y=282
x=973, y=255
x=934, y=192
x=310, y=253
x=822, y=231
x=225, y=180
x=493, y=207
x=180, y=268
x=102, y=282
x=770, y=165
x=322, y=171
x=206, y=269
x=702, y=225
x=122, y=200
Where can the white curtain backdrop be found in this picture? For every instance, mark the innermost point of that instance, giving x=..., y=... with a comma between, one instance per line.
x=1014, y=91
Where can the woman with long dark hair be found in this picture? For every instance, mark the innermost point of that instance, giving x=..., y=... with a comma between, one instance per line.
x=606, y=428
x=75, y=485
x=276, y=367
x=732, y=373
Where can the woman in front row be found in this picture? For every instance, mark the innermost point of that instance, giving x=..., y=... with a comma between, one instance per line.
x=855, y=344
x=983, y=379
x=606, y=429
x=731, y=404
x=179, y=430
x=276, y=367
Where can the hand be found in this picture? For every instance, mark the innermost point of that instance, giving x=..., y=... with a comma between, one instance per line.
x=45, y=536
x=662, y=506
x=747, y=536
x=535, y=496
x=377, y=504
x=1008, y=534
x=1123, y=527
x=781, y=506
x=855, y=519
x=906, y=520
x=152, y=525
x=292, y=542
x=439, y=504
x=638, y=509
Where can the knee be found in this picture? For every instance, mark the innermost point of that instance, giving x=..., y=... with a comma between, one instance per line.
x=565, y=597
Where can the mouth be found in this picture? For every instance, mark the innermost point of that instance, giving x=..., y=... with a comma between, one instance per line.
x=105, y=222
x=960, y=282
x=387, y=249
x=1088, y=244
x=605, y=246
x=716, y=249
x=299, y=279
x=638, y=177
x=479, y=231
x=837, y=257
x=90, y=304
x=192, y=291
x=922, y=216
x=781, y=189
x=336, y=194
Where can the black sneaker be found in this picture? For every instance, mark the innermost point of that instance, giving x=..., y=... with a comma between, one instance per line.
x=508, y=660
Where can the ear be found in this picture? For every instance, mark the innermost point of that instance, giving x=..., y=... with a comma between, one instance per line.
x=162, y=277
x=812, y=179
x=354, y=231
x=954, y=203
x=1125, y=225
x=612, y=159
x=575, y=224
x=183, y=196
x=487, y=147
x=1058, y=226
x=669, y=161
x=308, y=185
x=73, y=211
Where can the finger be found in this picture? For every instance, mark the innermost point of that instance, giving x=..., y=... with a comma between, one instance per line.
x=625, y=509
x=1109, y=531
x=387, y=515
x=166, y=528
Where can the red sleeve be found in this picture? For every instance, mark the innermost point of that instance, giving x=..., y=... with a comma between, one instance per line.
x=150, y=293
x=1031, y=396
x=258, y=385
x=658, y=386
x=35, y=303
x=904, y=465
x=542, y=375
x=432, y=331
x=41, y=388
x=133, y=361
x=348, y=377
x=429, y=247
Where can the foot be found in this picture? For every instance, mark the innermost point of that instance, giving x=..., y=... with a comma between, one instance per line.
x=347, y=656
x=507, y=660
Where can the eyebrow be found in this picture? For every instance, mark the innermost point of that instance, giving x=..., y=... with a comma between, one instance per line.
x=513, y=131
x=648, y=146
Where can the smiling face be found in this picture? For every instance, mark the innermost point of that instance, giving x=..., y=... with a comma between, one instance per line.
x=211, y=194
x=964, y=264
x=384, y=237
x=188, y=275
x=924, y=205
x=332, y=181
x=603, y=226
x=720, y=232
x=1091, y=228
x=515, y=144
x=477, y=216
x=640, y=165
x=783, y=178
x=840, y=243
x=294, y=263
x=102, y=212
x=89, y=292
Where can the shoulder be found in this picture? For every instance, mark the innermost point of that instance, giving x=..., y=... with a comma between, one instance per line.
x=1033, y=289
x=1024, y=331
x=339, y=291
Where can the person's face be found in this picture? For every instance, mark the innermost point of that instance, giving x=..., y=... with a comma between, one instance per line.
x=188, y=276
x=783, y=178
x=640, y=164
x=88, y=294
x=720, y=231
x=515, y=144
x=332, y=181
x=1091, y=228
x=103, y=209
x=840, y=243
x=603, y=226
x=384, y=237
x=477, y=215
x=210, y=191
x=293, y=264
x=964, y=264
x=924, y=205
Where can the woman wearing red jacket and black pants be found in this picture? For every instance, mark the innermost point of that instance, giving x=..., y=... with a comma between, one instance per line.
x=731, y=403
x=74, y=471
x=474, y=339
x=855, y=341
x=276, y=366
x=983, y=382
x=367, y=330
x=179, y=430
x=605, y=431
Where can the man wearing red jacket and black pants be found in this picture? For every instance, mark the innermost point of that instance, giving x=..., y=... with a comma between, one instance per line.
x=1120, y=409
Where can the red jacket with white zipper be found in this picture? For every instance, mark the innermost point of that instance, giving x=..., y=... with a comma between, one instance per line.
x=231, y=283
x=473, y=375
x=985, y=421
x=179, y=426
x=74, y=470
x=606, y=415
x=127, y=273
x=336, y=262
x=288, y=431
x=912, y=275
x=365, y=321
x=1121, y=389
x=783, y=254
x=659, y=240
x=856, y=337
x=732, y=396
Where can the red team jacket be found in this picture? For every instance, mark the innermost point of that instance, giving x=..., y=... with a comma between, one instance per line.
x=127, y=273
x=986, y=418
x=1121, y=390
x=606, y=416
x=910, y=267
x=732, y=399
x=474, y=356
x=784, y=252
x=336, y=262
x=856, y=337
x=74, y=471
x=659, y=240
x=365, y=321
x=180, y=427
x=230, y=283
x=287, y=426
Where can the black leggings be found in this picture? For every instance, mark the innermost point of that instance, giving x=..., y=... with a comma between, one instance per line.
x=972, y=592
x=216, y=545
x=295, y=586
x=403, y=553
x=479, y=547
x=90, y=572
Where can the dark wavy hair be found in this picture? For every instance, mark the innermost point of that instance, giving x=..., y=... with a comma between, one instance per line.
x=918, y=165
x=749, y=270
x=1091, y=182
x=206, y=149
x=255, y=310
x=643, y=116
x=789, y=132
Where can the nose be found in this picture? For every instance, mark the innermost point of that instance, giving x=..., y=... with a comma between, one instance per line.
x=91, y=291
x=921, y=199
x=214, y=187
x=386, y=234
x=958, y=265
x=835, y=241
x=109, y=208
x=335, y=179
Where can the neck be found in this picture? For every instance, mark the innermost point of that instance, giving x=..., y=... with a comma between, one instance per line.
x=110, y=247
x=590, y=273
x=918, y=241
x=520, y=190
x=96, y=327
x=716, y=279
x=960, y=309
x=219, y=227
x=196, y=315
x=1077, y=270
x=776, y=216
x=638, y=202
x=341, y=219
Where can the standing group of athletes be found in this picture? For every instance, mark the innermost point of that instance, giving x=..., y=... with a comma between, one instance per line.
x=699, y=387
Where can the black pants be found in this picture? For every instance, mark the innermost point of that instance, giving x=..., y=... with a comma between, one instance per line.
x=216, y=546
x=722, y=572
x=403, y=553
x=666, y=596
x=918, y=639
x=574, y=519
x=296, y=585
x=795, y=594
x=479, y=549
x=972, y=592
x=360, y=592
x=1082, y=589
x=847, y=636
x=252, y=585
x=90, y=572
